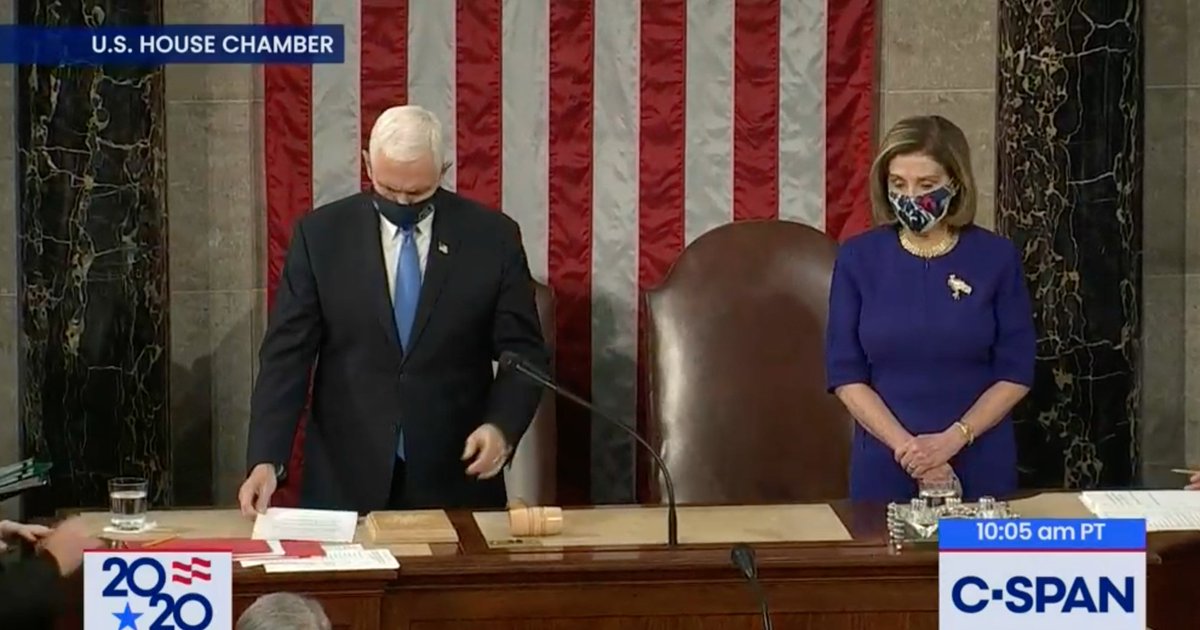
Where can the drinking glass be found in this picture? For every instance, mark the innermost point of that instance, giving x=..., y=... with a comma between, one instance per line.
x=127, y=500
x=937, y=491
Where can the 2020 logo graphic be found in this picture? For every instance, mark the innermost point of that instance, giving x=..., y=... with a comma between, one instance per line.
x=157, y=590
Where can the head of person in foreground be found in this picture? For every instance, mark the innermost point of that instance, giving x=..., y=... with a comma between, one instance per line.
x=284, y=611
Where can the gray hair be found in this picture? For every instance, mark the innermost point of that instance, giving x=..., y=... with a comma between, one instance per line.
x=406, y=132
x=284, y=611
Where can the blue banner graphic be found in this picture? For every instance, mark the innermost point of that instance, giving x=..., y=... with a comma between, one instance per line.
x=152, y=46
x=1079, y=535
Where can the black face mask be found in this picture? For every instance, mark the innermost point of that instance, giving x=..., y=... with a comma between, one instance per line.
x=404, y=215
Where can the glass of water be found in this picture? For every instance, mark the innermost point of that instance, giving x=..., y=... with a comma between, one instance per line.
x=127, y=500
x=936, y=491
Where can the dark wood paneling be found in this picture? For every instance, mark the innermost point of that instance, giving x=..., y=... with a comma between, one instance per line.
x=858, y=585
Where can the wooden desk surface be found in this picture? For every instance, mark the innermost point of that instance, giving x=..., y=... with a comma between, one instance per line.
x=826, y=586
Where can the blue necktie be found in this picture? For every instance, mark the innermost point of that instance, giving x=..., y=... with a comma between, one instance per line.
x=407, y=294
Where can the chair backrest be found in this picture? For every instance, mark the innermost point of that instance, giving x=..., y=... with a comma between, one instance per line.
x=532, y=475
x=737, y=400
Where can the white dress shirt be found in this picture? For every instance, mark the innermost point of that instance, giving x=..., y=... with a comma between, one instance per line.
x=391, y=239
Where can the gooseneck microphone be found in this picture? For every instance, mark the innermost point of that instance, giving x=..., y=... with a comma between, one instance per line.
x=514, y=361
x=742, y=557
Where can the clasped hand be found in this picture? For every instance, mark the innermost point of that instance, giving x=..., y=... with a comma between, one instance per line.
x=925, y=454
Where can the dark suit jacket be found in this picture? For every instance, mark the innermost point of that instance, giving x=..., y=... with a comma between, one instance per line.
x=30, y=594
x=333, y=316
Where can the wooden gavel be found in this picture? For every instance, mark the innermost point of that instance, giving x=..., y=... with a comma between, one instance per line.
x=524, y=520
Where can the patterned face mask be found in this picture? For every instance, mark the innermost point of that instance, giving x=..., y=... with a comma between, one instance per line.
x=920, y=213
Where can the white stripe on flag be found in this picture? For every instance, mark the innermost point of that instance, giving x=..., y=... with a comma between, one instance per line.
x=708, y=118
x=525, y=125
x=336, y=98
x=615, y=241
x=802, y=41
x=431, y=69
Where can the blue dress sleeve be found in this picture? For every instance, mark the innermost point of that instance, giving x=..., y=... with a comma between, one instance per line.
x=1015, y=349
x=845, y=360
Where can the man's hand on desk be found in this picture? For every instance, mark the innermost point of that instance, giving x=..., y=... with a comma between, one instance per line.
x=255, y=494
x=489, y=449
x=1194, y=482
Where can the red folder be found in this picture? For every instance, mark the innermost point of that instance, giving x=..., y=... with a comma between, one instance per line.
x=238, y=546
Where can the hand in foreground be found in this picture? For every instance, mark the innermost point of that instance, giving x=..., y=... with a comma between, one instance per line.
x=255, y=494
x=489, y=449
x=926, y=452
x=66, y=544
x=12, y=530
x=1194, y=482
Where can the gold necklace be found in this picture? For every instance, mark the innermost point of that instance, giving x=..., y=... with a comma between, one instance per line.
x=922, y=250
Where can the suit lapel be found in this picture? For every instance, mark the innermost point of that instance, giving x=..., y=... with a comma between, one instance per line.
x=374, y=274
x=442, y=247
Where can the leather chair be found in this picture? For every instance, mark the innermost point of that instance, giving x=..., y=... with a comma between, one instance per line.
x=737, y=400
x=532, y=473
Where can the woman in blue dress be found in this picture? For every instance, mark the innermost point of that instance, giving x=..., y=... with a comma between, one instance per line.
x=930, y=341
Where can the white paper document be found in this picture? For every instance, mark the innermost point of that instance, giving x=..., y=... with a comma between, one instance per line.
x=1173, y=522
x=1164, y=510
x=1142, y=500
x=337, y=558
x=313, y=525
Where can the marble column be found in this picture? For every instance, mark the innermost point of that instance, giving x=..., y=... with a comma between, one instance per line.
x=1069, y=193
x=93, y=269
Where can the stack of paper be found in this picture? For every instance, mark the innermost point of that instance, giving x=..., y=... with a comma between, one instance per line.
x=327, y=526
x=336, y=558
x=21, y=476
x=1164, y=510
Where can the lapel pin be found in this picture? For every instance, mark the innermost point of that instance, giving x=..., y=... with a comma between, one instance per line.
x=443, y=248
x=958, y=286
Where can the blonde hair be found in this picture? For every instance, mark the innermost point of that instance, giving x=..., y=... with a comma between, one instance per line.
x=945, y=144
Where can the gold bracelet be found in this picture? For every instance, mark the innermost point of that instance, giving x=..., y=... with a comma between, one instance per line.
x=966, y=431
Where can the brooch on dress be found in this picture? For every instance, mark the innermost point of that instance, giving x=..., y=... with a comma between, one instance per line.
x=958, y=287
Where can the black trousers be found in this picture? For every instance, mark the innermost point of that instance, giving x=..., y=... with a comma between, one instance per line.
x=396, y=496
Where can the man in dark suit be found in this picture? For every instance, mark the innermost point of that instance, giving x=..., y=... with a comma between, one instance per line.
x=397, y=301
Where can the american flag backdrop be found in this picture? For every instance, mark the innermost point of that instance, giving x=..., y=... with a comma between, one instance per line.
x=614, y=131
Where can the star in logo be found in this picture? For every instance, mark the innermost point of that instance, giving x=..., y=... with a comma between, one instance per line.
x=128, y=618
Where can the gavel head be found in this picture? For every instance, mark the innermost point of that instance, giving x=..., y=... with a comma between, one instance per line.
x=534, y=521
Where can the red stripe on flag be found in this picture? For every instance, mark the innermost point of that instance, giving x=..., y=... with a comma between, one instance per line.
x=849, y=116
x=383, y=73
x=661, y=143
x=755, y=110
x=287, y=140
x=569, y=245
x=477, y=99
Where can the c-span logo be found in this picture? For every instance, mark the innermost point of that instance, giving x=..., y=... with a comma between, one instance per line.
x=1042, y=574
x=147, y=590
